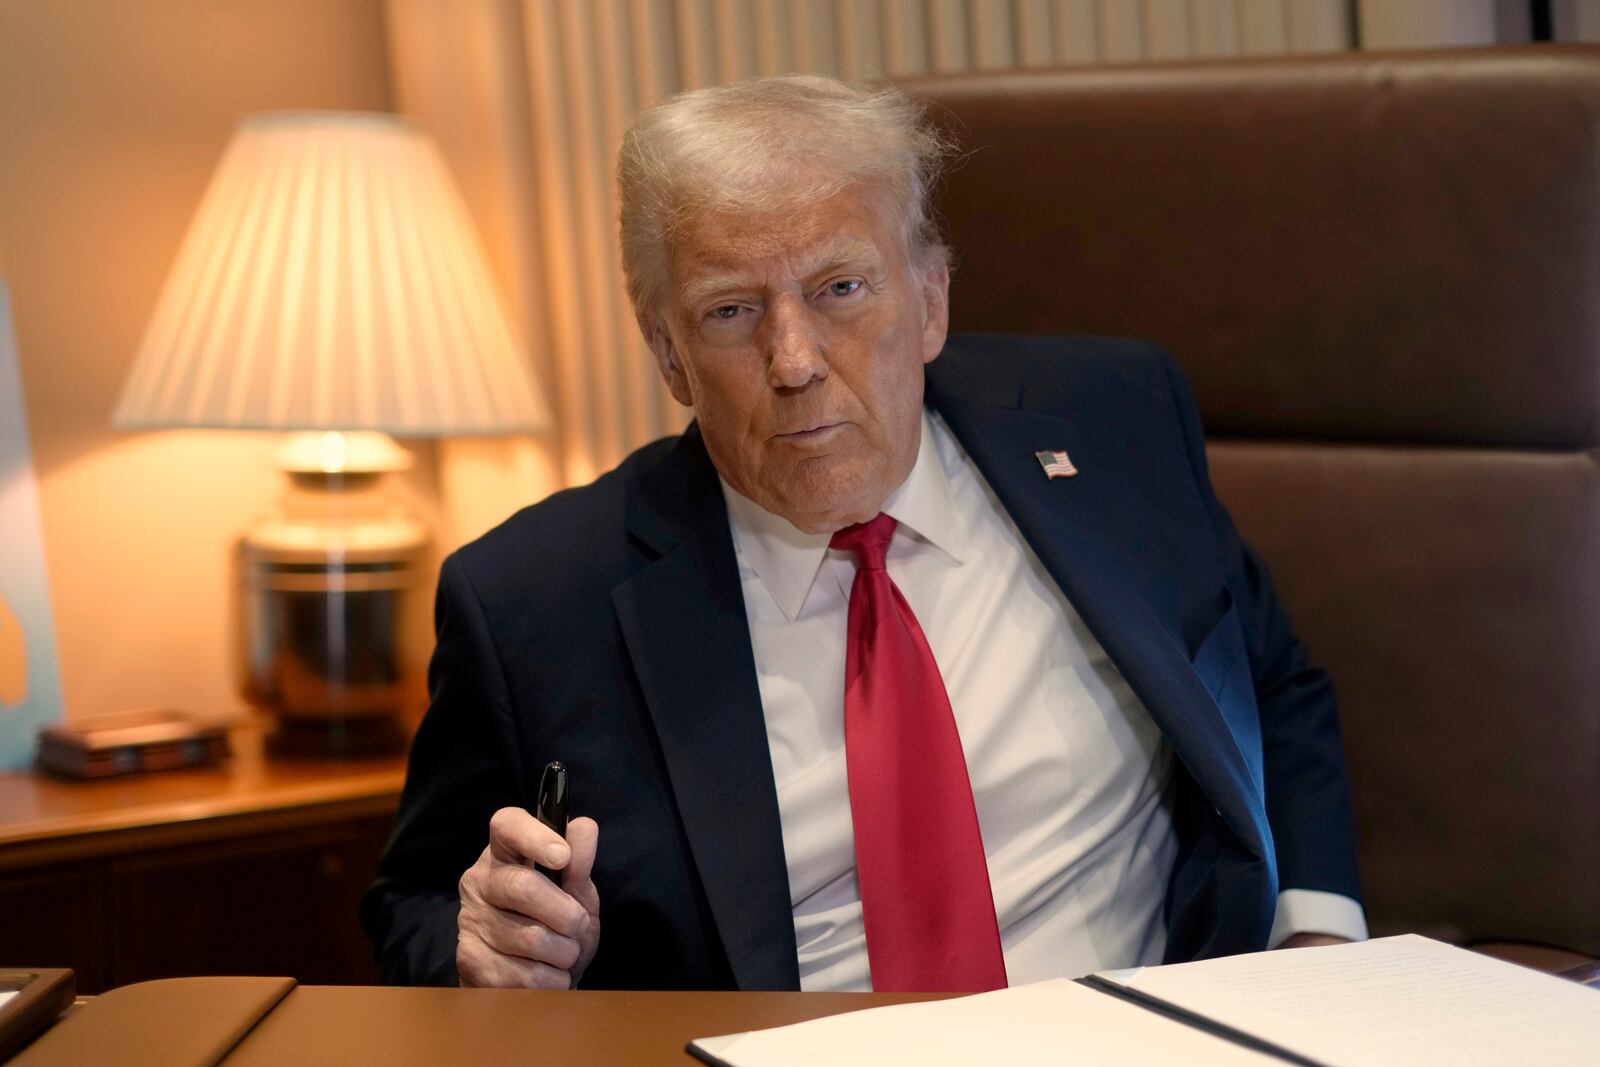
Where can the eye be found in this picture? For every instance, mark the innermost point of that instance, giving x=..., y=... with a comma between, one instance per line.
x=725, y=312
x=843, y=287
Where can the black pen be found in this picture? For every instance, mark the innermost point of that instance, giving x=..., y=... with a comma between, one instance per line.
x=552, y=807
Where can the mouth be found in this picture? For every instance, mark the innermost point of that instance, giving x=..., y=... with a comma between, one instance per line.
x=821, y=432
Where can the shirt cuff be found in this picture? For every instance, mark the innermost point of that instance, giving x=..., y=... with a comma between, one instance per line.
x=1312, y=911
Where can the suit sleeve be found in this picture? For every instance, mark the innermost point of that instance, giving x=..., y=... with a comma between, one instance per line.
x=464, y=766
x=1307, y=792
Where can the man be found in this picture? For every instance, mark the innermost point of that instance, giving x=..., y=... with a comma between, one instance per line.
x=908, y=665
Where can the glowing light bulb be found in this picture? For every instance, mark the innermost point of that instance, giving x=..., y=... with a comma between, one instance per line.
x=334, y=451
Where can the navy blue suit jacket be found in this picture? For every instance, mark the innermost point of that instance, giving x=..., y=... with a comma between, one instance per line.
x=605, y=627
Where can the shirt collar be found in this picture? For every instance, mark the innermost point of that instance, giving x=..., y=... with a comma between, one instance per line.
x=787, y=559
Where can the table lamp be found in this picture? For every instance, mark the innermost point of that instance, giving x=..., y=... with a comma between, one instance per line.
x=331, y=284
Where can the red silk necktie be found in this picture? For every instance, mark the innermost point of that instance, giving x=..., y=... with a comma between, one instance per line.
x=925, y=897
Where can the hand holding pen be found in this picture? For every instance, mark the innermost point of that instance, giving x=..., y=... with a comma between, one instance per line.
x=530, y=915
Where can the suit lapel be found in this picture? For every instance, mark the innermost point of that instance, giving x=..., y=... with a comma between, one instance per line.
x=683, y=619
x=1061, y=520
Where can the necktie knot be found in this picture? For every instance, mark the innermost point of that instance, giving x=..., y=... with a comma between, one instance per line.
x=869, y=541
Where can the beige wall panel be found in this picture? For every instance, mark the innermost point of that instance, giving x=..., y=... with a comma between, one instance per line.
x=451, y=67
x=1075, y=30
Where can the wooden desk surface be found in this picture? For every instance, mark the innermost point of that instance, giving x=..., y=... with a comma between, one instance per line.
x=355, y=1025
x=45, y=820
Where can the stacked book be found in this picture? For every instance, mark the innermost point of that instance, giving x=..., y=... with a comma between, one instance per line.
x=130, y=742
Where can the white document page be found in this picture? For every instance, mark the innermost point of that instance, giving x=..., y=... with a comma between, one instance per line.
x=1055, y=1023
x=1396, y=1000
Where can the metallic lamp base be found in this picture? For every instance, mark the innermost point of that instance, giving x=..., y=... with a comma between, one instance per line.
x=332, y=623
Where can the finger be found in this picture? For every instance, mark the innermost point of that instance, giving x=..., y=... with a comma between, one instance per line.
x=515, y=888
x=515, y=836
x=583, y=835
x=511, y=934
x=479, y=965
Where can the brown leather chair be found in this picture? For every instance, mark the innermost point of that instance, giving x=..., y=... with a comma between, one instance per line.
x=1382, y=275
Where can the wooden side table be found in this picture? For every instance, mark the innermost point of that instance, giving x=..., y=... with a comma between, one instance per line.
x=253, y=868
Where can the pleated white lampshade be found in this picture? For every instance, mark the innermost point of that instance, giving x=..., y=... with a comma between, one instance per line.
x=331, y=281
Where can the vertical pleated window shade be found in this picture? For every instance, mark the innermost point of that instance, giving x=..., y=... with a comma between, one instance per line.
x=539, y=92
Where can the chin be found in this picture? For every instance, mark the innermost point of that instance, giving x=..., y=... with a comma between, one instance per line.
x=823, y=524
x=826, y=516
x=824, y=495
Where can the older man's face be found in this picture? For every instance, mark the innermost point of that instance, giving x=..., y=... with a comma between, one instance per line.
x=799, y=337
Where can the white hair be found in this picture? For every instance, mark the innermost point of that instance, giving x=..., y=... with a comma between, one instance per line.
x=765, y=144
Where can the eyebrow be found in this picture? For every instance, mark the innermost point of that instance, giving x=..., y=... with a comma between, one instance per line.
x=832, y=252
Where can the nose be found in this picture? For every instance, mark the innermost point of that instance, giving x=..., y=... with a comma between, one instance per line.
x=796, y=356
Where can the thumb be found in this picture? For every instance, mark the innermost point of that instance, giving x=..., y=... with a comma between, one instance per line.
x=583, y=836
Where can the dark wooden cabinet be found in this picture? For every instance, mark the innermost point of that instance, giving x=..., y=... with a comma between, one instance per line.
x=256, y=868
x=57, y=918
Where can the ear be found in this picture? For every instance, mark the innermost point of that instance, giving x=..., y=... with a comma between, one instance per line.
x=659, y=338
x=936, y=308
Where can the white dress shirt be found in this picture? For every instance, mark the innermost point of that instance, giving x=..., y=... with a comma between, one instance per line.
x=1069, y=773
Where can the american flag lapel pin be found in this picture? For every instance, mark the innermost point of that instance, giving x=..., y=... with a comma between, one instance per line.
x=1056, y=464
